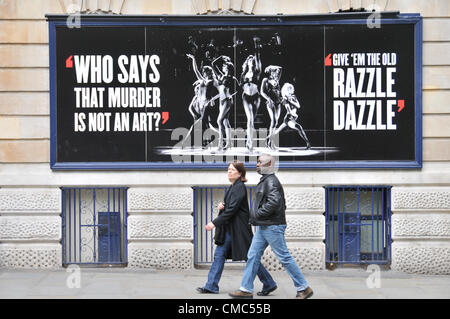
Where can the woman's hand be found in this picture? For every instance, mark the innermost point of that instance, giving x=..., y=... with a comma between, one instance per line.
x=221, y=206
x=210, y=226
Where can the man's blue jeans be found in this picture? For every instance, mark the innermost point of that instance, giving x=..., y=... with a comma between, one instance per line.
x=272, y=235
x=217, y=267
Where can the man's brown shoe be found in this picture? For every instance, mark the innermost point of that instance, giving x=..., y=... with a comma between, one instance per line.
x=304, y=294
x=239, y=294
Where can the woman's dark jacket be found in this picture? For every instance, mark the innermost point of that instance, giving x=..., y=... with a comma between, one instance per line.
x=234, y=218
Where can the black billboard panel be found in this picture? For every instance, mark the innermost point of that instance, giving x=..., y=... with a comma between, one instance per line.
x=196, y=92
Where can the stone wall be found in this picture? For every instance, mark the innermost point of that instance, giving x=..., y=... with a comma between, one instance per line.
x=160, y=203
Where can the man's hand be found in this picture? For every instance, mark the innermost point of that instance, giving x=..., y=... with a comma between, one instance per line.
x=210, y=226
x=221, y=206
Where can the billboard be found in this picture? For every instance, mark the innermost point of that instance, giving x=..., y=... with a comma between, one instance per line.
x=144, y=92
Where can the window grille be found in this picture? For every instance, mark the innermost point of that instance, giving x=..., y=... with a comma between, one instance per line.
x=94, y=226
x=358, y=225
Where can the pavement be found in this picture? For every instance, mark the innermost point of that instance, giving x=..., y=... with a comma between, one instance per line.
x=120, y=283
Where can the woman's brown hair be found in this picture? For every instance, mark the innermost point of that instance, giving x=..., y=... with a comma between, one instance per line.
x=239, y=166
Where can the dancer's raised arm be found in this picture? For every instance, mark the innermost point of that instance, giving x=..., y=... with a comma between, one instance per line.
x=194, y=65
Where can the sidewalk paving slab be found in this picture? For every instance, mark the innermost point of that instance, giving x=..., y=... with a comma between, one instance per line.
x=117, y=283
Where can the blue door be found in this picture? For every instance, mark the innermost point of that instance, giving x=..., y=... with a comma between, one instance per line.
x=349, y=237
x=108, y=237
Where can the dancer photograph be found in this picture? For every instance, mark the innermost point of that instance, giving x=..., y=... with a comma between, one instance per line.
x=226, y=84
x=271, y=92
x=251, y=72
x=292, y=106
x=205, y=91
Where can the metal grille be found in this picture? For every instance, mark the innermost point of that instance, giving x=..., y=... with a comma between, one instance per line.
x=358, y=225
x=94, y=226
x=206, y=200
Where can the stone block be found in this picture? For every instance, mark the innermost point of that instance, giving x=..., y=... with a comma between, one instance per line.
x=436, y=53
x=24, y=103
x=436, y=101
x=29, y=228
x=24, y=127
x=25, y=151
x=436, y=125
x=436, y=29
x=160, y=256
x=430, y=258
x=427, y=8
x=304, y=199
x=426, y=198
x=147, y=7
x=305, y=226
x=150, y=227
x=23, y=31
x=24, y=79
x=30, y=200
x=182, y=7
x=30, y=256
x=436, y=77
x=424, y=225
x=26, y=9
x=309, y=256
x=150, y=200
x=436, y=149
x=23, y=55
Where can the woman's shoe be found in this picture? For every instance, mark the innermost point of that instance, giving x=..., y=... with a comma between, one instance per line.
x=204, y=290
x=266, y=292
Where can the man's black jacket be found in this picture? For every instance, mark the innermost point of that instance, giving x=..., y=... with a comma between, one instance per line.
x=269, y=204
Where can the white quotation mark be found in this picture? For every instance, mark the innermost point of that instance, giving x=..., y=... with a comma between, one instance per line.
x=374, y=279
x=74, y=279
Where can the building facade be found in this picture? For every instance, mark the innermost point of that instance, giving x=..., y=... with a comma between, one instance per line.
x=159, y=213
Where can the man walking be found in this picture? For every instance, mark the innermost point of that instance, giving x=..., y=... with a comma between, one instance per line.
x=268, y=214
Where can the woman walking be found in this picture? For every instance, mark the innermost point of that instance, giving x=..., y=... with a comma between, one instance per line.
x=233, y=232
